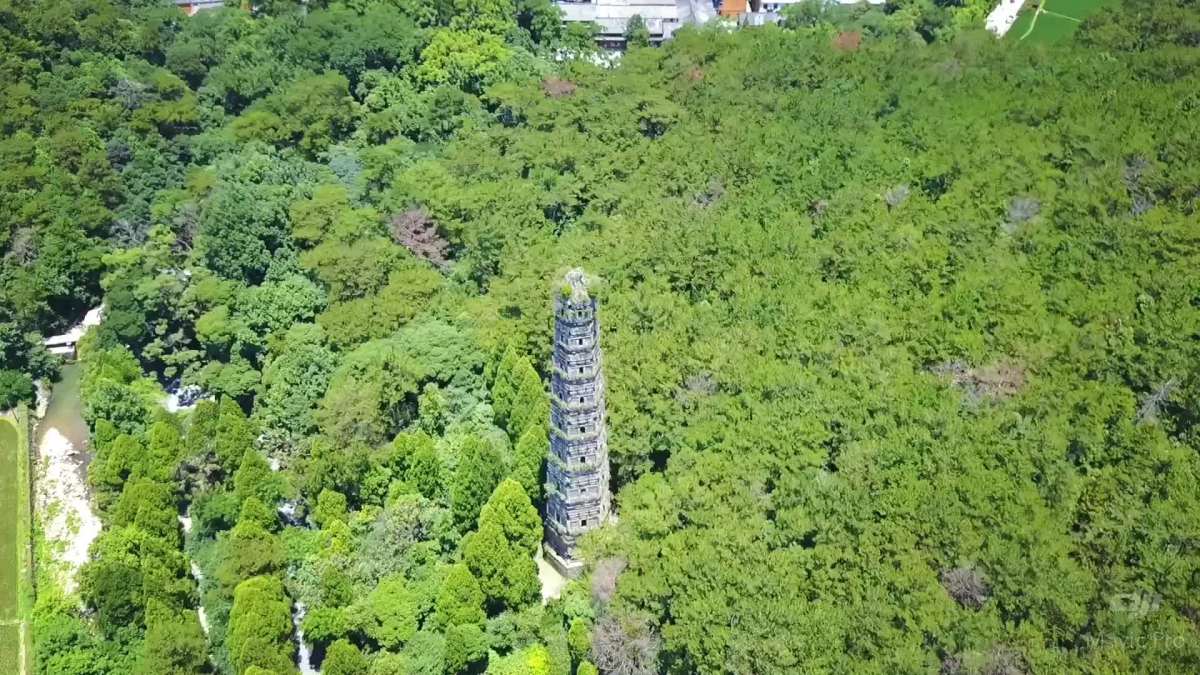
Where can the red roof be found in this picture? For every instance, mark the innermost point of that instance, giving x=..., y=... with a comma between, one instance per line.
x=733, y=8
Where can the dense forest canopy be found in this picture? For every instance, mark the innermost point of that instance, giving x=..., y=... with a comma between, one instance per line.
x=901, y=326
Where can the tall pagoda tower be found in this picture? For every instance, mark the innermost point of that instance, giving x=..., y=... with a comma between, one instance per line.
x=577, y=468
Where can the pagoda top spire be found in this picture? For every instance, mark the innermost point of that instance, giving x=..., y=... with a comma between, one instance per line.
x=575, y=286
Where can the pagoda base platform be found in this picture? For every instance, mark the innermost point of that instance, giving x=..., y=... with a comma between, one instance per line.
x=567, y=567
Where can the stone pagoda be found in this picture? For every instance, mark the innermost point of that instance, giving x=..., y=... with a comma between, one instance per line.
x=577, y=497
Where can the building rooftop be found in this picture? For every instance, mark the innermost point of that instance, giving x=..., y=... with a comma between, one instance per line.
x=734, y=8
x=662, y=17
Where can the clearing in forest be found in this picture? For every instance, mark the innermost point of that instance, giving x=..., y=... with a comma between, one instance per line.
x=1049, y=21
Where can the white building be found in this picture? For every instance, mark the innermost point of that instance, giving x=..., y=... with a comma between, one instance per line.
x=662, y=17
x=190, y=7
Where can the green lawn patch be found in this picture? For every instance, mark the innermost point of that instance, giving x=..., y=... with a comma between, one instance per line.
x=1051, y=21
x=10, y=640
x=16, y=587
x=9, y=499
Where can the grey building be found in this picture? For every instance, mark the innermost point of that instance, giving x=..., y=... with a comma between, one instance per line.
x=662, y=17
x=577, y=496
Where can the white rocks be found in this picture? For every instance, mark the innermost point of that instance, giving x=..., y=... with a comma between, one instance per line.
x=62, y=501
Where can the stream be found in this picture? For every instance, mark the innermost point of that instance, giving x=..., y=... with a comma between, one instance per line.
x=60, y=478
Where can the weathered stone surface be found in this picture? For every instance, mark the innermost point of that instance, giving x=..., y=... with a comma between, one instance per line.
x=577, y=470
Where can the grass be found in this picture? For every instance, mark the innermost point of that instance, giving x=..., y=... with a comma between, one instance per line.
x=16, y=562
x=1051, y=21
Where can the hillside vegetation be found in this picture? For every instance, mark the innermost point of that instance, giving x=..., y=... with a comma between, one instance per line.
x=901, y=325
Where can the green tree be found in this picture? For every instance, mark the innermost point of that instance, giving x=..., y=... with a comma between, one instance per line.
x=507, y=573
x=531, y=407
x=395, y=612
x=425, y=470
x=504, y=386
x=460, y=600
x=510, y=510
x=249, y=550
x=310, y=113
x=470, y=60
x=15, y=387
x=530, y=460
x=636, y=32
x=260, y=626
x=532, y=660
x=466, y=648
x=496, y=17
x=254, y=478
x=174, y=645
x=233, y=436
x=151, y=507
x=331, y=505
x=579, y=640
x=372, y=394
x=294, y=380
x=241, y=225
x=343, y=658
x=479, y=470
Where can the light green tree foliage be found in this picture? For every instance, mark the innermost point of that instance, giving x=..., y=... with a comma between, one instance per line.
x=534, y=660
x=331, y=506
x=470, y=60
x=149, y=506
x=276, y=305
x=254, y=478
x=249, y=550
x=241, y=225
x=127, y=570
x=466, y=648
x=343, y=658
x=425, y=654
x=579, y=640
x=899, y=375
x=113, y=466
x=510, y=509
x=460, y=600
x=260, y=626
x=501, y=552
x=328, y=215
x=504, y=386
x=323, y=625
x=253, y=510
x=424, y=469
x=234, y=435
x=394, y=611
x=434, y=409
x=636, y=32
x=518, y=396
